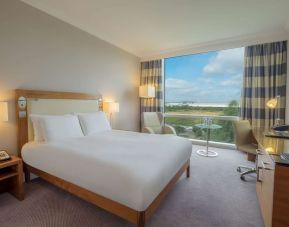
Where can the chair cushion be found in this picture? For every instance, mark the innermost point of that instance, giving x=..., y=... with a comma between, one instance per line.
x=248, y=148
x=151, y=119
x=157, y=130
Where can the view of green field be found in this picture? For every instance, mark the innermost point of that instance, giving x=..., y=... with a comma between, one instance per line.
x=186, y=127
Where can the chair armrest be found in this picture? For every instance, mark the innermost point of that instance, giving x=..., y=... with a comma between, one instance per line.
x=148, y=130
x=169, y=130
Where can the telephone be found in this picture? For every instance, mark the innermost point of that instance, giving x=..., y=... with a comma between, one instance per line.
x=281, y=128
x=4, y=156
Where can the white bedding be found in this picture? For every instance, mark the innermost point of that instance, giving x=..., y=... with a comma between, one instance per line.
x=127, y=167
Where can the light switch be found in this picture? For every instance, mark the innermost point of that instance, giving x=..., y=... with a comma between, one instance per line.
x=22, y=114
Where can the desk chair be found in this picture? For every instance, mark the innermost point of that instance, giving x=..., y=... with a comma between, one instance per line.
x=246, y=142
x=153, y=123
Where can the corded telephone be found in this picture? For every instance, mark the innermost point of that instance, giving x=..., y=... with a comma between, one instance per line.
x=4, y=156
x=281, y=128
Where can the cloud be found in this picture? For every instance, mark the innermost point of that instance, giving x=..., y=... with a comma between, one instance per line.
x=177, y=83
x=180, y=90
x=226, y=62
x=219, y=81
x=203, y=90
x=234, y=80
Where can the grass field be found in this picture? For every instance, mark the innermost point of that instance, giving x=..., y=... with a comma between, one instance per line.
x=186, y=127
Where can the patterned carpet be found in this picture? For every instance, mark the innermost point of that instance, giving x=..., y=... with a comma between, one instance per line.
x=213, y=196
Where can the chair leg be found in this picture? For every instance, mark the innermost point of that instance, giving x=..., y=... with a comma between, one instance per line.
x=242, y=176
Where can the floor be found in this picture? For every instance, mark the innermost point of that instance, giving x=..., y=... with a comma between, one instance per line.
x=213, y=196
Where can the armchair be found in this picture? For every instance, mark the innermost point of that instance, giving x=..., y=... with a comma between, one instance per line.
x=153, y=123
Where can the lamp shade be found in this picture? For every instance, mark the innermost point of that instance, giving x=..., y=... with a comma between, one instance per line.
x=113, y=107
x=3, y=111
x=272, y=103
x=147, y=91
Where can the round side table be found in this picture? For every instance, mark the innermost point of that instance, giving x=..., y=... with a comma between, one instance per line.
x=208, y=127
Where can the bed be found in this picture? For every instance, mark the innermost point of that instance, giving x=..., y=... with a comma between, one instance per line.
x=126, y=173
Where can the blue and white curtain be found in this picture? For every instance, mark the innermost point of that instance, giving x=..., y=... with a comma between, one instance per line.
x=265, y=70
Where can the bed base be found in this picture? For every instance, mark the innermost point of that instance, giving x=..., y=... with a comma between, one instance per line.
x=137, y=217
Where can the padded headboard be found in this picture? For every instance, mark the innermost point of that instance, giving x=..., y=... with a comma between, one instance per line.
x=51, y=103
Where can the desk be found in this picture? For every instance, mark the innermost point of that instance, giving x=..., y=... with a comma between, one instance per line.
x=272, y=184
x=208, y=127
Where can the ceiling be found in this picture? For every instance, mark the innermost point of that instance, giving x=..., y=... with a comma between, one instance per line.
x=149, y=27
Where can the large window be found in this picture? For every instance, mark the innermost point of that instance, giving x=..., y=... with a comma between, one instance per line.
x=206, y=84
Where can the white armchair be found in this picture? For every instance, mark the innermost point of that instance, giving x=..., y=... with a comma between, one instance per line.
x=153, y=123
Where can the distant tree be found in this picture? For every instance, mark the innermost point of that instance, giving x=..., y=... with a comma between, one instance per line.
x=226, y=134
x=233, y=109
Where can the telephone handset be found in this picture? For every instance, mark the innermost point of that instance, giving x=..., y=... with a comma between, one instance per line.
x=281, y=128
x=4, y=156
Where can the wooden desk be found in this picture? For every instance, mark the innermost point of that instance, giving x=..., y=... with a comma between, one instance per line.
x=272, y=180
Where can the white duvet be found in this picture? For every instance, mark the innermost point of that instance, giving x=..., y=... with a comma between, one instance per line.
x=127, y=167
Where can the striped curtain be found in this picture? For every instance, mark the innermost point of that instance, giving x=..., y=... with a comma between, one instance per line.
x=151, y=74
x=264, y=78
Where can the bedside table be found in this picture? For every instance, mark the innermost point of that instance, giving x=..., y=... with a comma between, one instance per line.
x=11, y=177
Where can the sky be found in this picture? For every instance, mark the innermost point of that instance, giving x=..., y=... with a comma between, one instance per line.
x=213, y=77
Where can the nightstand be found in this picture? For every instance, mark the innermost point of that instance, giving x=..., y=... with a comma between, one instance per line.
x=11, y=177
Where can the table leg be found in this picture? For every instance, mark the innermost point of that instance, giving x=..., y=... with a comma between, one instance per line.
x=207, y=152
x=208, y=138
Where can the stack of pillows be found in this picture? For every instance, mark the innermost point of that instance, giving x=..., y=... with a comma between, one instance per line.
x=48, y=128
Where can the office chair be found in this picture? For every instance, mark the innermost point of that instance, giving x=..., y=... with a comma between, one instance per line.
x=246, y=142
x=153, y=123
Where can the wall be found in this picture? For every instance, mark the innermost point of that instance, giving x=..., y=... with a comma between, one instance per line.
x=38, y=51
x=234, y=42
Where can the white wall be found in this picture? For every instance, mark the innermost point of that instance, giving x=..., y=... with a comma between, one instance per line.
x=40, y=52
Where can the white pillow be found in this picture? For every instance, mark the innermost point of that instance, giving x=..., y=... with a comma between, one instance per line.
x=60, y=127
x=37, y=129
x=93, y=122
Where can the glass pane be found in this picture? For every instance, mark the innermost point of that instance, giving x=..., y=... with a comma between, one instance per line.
x=222, y=130
x=205, y=84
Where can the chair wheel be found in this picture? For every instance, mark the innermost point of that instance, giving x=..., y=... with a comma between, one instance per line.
x=239, y=169
x=242, y=177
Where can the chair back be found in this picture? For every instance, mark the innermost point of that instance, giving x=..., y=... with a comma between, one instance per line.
x=243, y=132
x=153, y=120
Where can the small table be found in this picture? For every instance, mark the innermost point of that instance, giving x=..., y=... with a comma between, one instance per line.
x=11, y=177
x=208, y=127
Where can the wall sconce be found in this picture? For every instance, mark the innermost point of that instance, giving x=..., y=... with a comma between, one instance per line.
x=147, y=91
x=3, y=111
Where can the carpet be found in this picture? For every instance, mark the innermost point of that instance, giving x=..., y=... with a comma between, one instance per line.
x=214, y=195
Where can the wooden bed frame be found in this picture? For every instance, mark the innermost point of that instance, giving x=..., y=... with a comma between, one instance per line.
x=129, y=214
